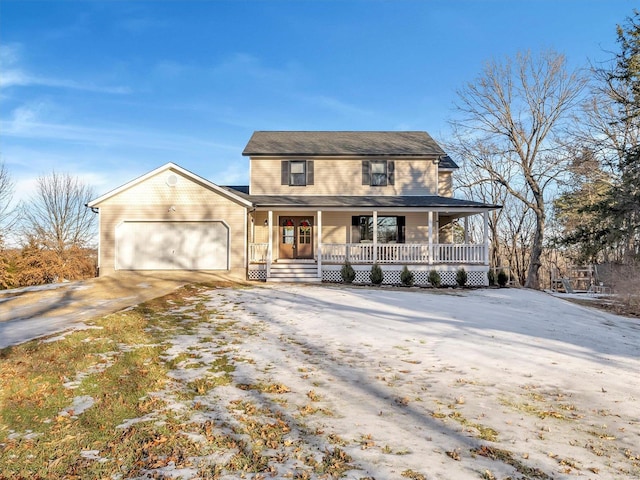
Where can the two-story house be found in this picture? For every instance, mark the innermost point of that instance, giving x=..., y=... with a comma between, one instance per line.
x=314, y=201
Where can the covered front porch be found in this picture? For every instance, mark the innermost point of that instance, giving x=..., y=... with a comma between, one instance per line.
x=312, y=245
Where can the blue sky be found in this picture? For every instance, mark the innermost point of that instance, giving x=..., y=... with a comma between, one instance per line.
x=110, y=90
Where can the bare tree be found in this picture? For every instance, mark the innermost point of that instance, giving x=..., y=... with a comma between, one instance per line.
x=56, y=215
x=6, y=202
x=57, y=230
x=7, y=220
x=476, y=186
x=519, y=108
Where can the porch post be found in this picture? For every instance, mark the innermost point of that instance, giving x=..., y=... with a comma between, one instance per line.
x=486, y=238
x=375, y=236
x=466, y=230
x=319, y=229
x=430, y=234
x=270, y=244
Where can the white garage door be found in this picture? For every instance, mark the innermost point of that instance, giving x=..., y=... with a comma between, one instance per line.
x=172, y=246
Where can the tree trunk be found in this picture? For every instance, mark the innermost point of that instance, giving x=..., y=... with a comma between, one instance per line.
x=533, y=279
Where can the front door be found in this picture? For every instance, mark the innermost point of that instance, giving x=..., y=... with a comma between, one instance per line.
x=296, y=237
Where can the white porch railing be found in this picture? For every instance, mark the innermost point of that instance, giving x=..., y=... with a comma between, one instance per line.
x=458, y=253
x=401, y=253
x=388, y=253
x=258, y=252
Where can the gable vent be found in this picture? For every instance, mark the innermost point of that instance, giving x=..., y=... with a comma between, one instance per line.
x=172, y=180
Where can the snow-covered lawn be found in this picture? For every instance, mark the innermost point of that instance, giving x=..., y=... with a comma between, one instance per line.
x=310, y=382
x=448, y=385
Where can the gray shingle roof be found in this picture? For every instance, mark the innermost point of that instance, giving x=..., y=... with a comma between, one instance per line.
x=341, y=143
x=372, y=201
x=447, y=162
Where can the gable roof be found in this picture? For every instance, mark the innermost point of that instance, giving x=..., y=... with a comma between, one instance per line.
x=342, y=143
x=231, y=195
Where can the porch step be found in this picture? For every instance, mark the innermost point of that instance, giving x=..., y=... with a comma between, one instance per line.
x=294, y=272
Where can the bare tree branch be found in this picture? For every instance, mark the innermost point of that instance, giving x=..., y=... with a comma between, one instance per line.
x=513, y=111
x=7, y=210
x=56, y=216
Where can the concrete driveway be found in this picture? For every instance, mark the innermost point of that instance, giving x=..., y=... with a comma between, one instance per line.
x=33, y=312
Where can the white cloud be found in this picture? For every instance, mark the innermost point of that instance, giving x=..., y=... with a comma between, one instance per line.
x=13, y=75
x=25, y=123
x=18, y=78
x=9, y=54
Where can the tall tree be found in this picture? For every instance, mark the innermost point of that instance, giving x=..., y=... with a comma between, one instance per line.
x=609, y=127
x=624, y=79
x=476, y=186
x=520, y=107
x=577, y=210
x=58, y=229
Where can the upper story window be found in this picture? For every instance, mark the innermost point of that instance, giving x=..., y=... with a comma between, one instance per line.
x=378, y=173
x=297, y=172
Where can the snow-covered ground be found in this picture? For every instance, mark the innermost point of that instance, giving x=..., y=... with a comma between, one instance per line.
x=447, y=384
x=418, y=381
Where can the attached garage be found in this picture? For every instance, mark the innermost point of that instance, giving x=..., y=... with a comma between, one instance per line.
x=150, y=245
x=172, y=219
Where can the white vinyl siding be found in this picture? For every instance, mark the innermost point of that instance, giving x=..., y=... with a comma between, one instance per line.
x=408, y=176
x=155, y=201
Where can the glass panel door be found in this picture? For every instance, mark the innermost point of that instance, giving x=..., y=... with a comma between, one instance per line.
x=287, y=238
x=305, y=238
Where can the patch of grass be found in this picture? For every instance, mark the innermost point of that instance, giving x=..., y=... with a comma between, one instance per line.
x=116, y=365
x=264, y=434
x=247, y=407
x=334, y=463
x=248, y=461
x=222, y=364
x=336, y=439
x=506, y=457
x=484, y=433
x=366, y=442
x=309, y=409
x=541, y=411
x=413, y=475
x=313, y=396
x=277, y=388
x=201, y=386
x=118, y=393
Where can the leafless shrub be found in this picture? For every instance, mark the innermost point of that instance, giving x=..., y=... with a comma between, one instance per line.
x=626, y=286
